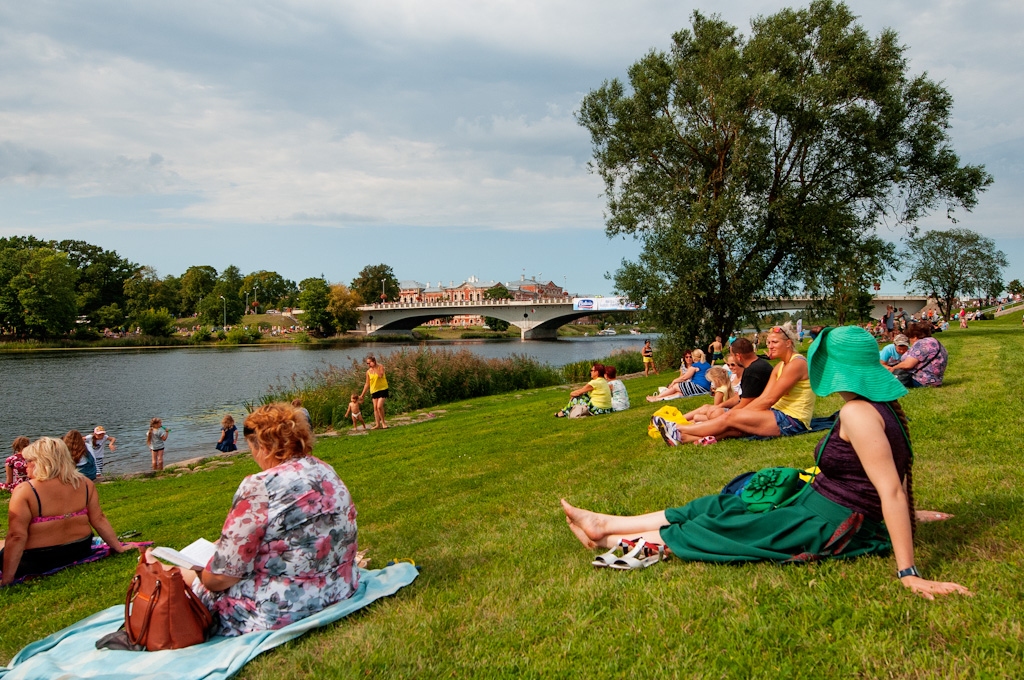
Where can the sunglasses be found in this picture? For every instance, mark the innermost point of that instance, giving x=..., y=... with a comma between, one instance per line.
x=247, y=431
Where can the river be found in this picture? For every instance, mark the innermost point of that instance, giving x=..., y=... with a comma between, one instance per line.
x=51, y=392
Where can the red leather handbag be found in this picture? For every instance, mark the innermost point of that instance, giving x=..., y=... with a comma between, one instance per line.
x=161, y=612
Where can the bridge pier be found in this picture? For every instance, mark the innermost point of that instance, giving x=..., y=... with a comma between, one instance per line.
x=529, y=330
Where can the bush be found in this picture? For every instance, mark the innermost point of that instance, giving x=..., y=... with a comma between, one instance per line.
x=201, y=334
x=86, y=333
x=240, y=335
x=417, y=378
x=624, y=361
x=157, y=323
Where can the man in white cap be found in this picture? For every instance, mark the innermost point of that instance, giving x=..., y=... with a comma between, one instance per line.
x=893, y=354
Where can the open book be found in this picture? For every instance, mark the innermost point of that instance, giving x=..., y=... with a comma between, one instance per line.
x=194, y=556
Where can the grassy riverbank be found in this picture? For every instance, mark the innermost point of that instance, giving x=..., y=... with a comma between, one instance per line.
x=506, y=590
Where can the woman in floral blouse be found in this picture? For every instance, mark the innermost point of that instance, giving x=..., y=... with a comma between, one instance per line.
x=288, y=546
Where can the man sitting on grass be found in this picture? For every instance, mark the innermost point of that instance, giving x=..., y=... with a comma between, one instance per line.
x=784, y=407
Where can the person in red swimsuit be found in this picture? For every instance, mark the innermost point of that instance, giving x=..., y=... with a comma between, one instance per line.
x=51, y=516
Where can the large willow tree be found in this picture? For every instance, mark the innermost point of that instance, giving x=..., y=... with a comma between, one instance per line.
x=743, y=162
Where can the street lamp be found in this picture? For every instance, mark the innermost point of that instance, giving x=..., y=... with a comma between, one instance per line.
x=256, y=297
x=246, y=302
x=383, y=295
x=224, y=325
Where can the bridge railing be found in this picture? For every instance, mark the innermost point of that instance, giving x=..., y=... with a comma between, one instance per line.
x=464, y=303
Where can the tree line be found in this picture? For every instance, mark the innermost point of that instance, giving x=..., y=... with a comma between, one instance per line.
x=52, y=289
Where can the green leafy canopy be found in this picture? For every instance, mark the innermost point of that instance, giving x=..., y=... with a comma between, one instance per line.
x=742, y=162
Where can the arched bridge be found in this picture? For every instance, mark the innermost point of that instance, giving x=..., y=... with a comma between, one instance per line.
x=540, y=319
x=911, y=304
x=537, y=319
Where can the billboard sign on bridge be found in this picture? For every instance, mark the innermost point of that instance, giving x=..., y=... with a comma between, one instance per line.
x=615, y=303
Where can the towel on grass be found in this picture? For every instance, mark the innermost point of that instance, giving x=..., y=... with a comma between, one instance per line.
x=99, y=551
x=817, y=425
x=72, y=653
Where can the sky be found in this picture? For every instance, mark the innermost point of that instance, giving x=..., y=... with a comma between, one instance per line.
x=314, y=137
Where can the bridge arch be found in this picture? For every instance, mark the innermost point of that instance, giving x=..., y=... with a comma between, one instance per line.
x=539, y=319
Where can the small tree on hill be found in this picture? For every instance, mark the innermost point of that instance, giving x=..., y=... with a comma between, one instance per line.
x=956, y=263
x=342, y=306
x=374, y=281
x=314, y=297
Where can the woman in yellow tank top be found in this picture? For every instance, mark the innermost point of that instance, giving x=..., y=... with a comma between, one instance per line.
x=377, y=385
x=784, y=408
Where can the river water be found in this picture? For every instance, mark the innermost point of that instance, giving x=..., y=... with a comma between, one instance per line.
x=51, y=392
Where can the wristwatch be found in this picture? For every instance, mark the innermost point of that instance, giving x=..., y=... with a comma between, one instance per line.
x=909, y=571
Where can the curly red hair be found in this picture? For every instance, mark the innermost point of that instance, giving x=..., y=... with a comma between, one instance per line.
x=281, y=430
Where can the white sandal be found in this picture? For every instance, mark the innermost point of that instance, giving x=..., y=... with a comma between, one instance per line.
x=608, y=558
x=642, y=556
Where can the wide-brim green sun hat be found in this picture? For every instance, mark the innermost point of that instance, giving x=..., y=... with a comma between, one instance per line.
x=845, y=359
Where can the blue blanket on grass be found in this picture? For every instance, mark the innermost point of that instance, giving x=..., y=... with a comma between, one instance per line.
x=72, y=652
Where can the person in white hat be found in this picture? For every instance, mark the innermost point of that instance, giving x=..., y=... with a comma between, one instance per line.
x=95, y=443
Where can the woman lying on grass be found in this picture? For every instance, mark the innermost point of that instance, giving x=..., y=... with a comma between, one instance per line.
x=861, y=502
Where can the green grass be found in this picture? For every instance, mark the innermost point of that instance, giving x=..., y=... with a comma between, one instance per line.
x=505, y=589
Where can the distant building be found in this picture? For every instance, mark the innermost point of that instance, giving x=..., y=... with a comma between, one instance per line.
x=410, y=291
x=473, y=289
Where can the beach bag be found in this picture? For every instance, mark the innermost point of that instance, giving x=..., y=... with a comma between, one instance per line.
x=668, y=413
x=772, y=488
x=776, y=487
x=161, y=612
x=579, y=411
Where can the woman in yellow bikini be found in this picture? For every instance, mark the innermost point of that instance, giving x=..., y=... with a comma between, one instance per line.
x=377, y=385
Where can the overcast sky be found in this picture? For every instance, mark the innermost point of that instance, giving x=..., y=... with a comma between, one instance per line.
x=314, y=137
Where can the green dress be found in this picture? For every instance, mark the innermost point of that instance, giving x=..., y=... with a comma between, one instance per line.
x=720, y=529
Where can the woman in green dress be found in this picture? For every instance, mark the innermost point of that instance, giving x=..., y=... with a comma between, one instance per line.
x=860, y=503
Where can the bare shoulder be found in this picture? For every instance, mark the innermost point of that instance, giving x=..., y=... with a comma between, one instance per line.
x=859, y=412
x=90, y=486
x=798, y=364
x=21, y=493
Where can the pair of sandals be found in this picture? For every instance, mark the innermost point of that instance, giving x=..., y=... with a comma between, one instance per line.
x=631, y=554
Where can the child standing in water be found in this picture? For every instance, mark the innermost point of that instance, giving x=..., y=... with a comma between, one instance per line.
x=355, y=411
x=155, y=438
x=94, y=444
x=228, y=435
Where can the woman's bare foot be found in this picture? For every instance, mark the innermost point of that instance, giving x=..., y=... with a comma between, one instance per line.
x=581, y=535
x=931, y=516
x=589, y=523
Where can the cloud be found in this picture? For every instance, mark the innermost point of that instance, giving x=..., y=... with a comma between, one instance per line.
x=453, y=113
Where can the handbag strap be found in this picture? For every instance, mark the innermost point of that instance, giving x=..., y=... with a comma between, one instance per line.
x=129, y=598
x=823, y=442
